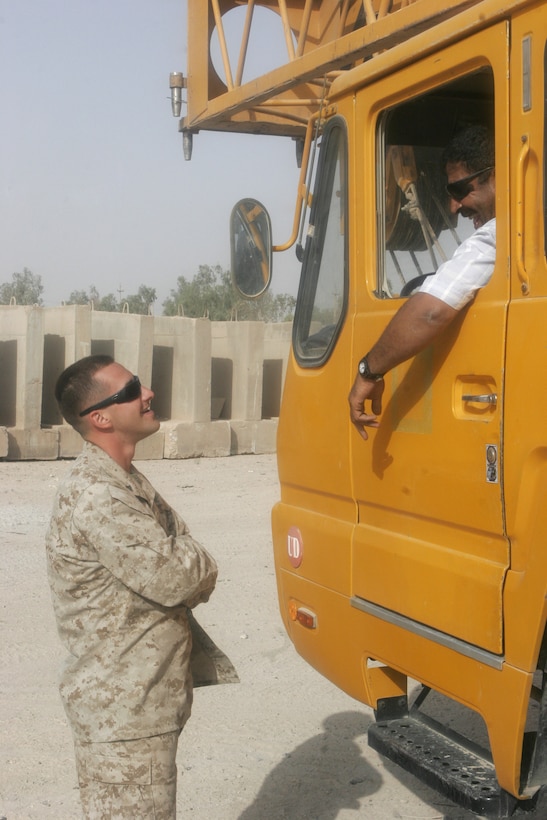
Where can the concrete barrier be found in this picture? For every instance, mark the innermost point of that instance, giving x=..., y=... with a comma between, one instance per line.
x=3, y=442
x=217, y=385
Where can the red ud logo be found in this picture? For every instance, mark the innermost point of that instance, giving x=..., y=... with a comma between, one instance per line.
x=295, y=547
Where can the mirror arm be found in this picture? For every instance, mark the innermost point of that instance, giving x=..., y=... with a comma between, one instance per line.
x=302, y=193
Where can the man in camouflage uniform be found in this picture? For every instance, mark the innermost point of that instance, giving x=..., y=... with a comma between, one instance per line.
x=124, y=571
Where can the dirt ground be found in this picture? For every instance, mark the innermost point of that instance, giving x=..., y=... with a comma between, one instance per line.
x=283, y=744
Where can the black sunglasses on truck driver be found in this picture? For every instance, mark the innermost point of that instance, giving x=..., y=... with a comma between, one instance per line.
x=459, y=189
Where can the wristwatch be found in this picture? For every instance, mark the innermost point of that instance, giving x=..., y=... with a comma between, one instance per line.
x=364, y=371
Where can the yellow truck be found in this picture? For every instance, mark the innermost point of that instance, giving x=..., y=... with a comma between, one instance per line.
x=411, y=566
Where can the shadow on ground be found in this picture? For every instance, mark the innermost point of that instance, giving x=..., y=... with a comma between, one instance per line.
x=320, y=777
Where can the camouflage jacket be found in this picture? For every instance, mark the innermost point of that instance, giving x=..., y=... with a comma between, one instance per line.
x=123, y=569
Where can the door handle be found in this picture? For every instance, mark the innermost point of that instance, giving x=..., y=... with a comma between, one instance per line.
x=484, y=398
x=521, y=269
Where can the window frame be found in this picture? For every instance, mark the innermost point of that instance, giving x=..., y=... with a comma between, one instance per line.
x=439, y=97
x=333, y=155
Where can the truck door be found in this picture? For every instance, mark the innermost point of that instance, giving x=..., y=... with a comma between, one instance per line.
x=525, y=455
x=429, y=550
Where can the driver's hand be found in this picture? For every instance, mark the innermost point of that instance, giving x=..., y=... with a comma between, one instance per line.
x=365, y=390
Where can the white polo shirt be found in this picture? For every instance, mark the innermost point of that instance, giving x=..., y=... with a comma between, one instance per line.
x=470, y=268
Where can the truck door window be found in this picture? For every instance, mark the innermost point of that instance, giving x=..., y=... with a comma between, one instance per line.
x=322, y=294
x=416, y=229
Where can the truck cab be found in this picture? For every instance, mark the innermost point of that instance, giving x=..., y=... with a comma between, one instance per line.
x=415, y=562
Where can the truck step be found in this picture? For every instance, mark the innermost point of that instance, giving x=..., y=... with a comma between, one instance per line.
x=451, y=767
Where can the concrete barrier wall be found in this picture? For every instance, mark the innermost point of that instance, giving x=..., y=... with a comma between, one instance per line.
x=217, y=385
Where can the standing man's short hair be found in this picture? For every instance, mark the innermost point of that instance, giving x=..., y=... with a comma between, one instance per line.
x=76, y=386
x=473, y=146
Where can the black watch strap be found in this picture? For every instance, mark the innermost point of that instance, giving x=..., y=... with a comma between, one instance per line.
x=365, y=372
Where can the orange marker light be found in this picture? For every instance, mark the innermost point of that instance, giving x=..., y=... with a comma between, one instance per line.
x=306, y=618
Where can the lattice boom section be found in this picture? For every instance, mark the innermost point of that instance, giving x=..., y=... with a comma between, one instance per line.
x=263, y=66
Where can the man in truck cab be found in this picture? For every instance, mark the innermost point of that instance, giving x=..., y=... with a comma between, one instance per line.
x=469, y=163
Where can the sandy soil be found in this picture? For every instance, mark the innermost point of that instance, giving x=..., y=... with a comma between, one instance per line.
x=284, y=743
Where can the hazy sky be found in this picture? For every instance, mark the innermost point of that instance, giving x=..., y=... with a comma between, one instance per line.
x=94, y=187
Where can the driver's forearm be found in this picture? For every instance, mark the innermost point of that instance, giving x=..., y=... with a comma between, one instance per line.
x=415, y=325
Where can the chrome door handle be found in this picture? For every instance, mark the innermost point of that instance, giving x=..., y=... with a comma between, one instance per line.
x=485, y=398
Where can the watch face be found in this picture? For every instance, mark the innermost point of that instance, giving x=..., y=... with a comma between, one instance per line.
x=364, y=371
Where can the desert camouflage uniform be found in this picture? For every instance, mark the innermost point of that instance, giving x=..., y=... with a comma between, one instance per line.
x=123, y=569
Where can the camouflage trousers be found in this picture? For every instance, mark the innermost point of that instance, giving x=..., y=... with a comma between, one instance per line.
x=128, y=780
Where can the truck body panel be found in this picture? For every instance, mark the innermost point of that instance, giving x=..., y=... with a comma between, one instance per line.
x=421, y=553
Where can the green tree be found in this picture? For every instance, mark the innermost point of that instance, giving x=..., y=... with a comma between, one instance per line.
x=78, y=297
x=93, y=297
x=210, y=294
x=266, y=308
x=108, y=303
x=138, y=303
x=142, y=300
x=25, y=288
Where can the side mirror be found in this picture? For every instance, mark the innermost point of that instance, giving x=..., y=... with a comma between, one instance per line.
x=251, y=244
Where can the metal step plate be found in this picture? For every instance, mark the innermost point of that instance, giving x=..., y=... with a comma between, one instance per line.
x=455, y=771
